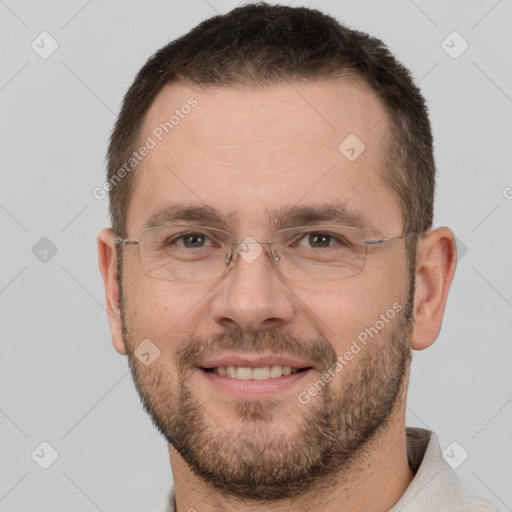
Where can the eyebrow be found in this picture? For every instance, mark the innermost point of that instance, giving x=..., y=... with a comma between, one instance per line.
x=185, y=212
x=333, y=212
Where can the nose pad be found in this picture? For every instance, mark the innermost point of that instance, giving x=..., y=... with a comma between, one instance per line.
x=230, y=259
x=249, y=250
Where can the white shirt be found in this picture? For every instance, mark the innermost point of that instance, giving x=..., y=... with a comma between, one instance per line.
x=435, y=486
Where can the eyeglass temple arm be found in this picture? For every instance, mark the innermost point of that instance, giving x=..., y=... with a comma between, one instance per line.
x=383, y=240
x=119, y=240
x=376, y=241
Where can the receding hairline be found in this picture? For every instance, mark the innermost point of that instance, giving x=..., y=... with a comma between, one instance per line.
x=350, y=75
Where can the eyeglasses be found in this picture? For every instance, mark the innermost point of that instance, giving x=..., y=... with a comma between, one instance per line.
x=201, y=253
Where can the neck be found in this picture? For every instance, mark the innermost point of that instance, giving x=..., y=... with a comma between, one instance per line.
x=374, y=482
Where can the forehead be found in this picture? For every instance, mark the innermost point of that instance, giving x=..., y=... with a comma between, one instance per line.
x=247, y=151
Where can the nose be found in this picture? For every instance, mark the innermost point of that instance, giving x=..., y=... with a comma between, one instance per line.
x=252, y=295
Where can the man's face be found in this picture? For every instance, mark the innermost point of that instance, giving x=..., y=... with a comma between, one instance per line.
x=252, y=155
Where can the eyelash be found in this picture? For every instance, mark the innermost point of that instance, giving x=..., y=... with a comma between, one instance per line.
x=303, y=236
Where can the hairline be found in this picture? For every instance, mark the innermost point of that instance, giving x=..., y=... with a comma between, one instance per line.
x=343, y=74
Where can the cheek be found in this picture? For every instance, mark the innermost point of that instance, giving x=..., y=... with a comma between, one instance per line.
x=343, y=310
x=161, y=310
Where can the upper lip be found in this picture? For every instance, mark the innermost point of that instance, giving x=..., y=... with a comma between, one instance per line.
x=254, y=361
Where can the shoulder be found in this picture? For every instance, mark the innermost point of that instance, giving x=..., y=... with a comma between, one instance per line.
x=435, y=485
x=476, y=504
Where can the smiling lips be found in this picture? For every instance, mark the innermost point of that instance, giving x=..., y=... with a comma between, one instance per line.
x=254, y=368
x=248, y=373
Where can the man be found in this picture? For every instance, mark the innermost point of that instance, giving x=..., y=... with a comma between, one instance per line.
x=272, y=263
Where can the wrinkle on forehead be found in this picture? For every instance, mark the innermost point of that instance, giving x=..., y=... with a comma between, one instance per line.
x=251, y=151
x=256, y=154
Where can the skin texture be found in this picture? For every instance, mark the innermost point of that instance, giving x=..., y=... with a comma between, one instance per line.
x=247, y=152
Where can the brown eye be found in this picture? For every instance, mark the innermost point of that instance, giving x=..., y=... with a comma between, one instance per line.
x=193, y=240
x=319, y=240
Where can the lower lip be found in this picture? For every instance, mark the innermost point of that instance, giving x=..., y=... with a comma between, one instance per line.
x=254, y=387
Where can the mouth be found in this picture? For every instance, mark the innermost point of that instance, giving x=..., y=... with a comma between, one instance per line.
x=260, y=373
x=245, y=376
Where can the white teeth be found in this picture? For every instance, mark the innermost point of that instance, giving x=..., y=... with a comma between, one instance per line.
x=243, y=373
x=276, y=371
x=287, y=370
x=261, y=373
x=247, y=373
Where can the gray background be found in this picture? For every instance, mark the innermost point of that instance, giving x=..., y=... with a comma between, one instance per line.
x=60, y=379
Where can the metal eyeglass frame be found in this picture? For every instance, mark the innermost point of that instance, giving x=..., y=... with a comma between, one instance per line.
x=232, y=256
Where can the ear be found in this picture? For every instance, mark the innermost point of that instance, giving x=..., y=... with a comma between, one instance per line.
x=436, y=262
x=107, y=262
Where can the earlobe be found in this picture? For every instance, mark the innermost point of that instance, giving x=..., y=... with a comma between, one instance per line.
x=108, y=268
x=436, y=262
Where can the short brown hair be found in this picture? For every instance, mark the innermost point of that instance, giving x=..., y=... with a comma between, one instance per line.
x=260, y=44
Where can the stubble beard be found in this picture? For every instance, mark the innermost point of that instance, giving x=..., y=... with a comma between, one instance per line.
x=260, y=461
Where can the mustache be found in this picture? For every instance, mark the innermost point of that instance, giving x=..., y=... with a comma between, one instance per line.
x=318, y=351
